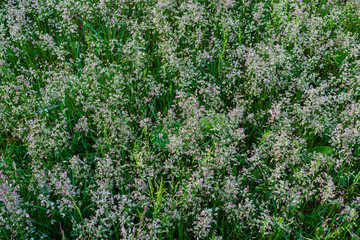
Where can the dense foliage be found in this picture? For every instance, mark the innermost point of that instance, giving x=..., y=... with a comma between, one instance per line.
x=179, y=119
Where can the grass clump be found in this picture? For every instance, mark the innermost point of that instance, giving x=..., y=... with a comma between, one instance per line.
x=179, y=119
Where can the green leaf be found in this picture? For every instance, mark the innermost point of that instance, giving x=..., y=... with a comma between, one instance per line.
x=324, y=150
x=208, y=123
x=159, y=138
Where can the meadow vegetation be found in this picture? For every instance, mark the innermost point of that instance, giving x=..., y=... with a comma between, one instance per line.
x=179, y=119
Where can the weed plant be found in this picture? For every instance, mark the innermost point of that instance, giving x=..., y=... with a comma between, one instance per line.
x=179, y=119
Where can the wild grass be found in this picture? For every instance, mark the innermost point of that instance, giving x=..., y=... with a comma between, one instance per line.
x=176, y=119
